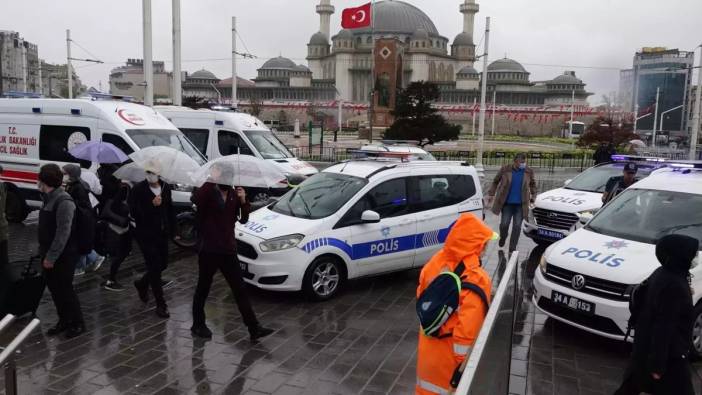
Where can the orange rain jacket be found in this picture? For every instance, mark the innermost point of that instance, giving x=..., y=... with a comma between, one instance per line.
x=438, y=358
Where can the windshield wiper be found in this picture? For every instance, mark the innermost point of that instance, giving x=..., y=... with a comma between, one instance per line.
x=678, y=227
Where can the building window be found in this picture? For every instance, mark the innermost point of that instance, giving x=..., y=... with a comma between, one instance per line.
x=54, y=142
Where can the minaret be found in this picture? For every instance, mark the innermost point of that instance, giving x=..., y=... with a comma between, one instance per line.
x=468, y=9
x=325, y=10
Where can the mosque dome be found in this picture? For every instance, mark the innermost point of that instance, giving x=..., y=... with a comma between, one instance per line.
x=507, y=65
x=568, y=78
x=398, y=17
x=463, y=38
x=468, y=70
x=203, y=74
x=279, y=63
x=319, y=38
x=420, y=34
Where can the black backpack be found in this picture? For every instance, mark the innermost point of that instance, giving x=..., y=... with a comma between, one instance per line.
x=441, y=299
x=637, y=299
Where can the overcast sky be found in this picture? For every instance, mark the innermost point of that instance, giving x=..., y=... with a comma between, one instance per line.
x=597, y=36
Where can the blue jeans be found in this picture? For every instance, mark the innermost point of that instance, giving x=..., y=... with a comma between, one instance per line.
x=87, y=260
x=511, y=213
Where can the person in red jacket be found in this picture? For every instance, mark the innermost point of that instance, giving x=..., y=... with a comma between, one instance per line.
x=438, y=357
x=218, y=207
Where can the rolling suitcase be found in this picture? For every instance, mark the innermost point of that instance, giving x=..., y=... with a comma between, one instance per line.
x=24, y=286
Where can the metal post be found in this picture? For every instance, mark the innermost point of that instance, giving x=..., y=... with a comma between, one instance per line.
x=148, y=55
x=372, y=95
x=483, y=91
x=11, y=377
x=572, y=109
x=475, y=99
x=696, y=112
x=660, y=128
x=339, y=116
x=234, y=93
x=24, y=68
x=41, y=83
x=636, y=115
x=683, y=118
x=655, y=117
x=177, y=90
x=69, y=70
x=494, y=105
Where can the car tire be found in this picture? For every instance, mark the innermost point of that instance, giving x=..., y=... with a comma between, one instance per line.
x=186, y=230
x=697, y=332
x=16, y=209
x=324, y=278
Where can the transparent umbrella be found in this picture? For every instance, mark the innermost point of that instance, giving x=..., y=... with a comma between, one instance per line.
x=131, y=172
x=172, y=165
x=240, y=170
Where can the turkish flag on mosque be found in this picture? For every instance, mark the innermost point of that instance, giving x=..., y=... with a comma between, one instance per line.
x=354, y=18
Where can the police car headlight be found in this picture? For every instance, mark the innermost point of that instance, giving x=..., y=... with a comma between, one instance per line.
x=281, y=243
x=182, y=188
x=543, y=265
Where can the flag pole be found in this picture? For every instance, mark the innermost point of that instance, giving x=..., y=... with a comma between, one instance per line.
x=372, y=77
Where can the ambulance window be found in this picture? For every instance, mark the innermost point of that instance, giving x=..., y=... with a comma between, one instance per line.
x=388, y=199
x=117, y=142
x=431, y=192
x=198, y=137
x=229, y=141
x=55, y=141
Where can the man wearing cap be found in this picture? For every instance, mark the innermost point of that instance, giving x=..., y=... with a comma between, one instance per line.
x=617, y=184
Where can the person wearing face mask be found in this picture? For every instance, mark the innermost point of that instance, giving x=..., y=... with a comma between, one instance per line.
x=151, y=206
x=440, y=354
x=219, y=206
x=58, y=250
x=512, y=191
x=660, y=359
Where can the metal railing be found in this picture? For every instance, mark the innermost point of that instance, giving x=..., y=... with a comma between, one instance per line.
x=487, y=370
x=7, y=356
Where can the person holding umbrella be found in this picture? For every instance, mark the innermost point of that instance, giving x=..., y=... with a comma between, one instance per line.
x=219, y=206
x=151, y=206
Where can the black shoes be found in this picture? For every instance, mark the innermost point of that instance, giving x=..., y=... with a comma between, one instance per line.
x=201, y=331
x=57, y=329
x=162, y=312
x=142, y=291
x=502, y=241
x=258, y=332
x=75, y=331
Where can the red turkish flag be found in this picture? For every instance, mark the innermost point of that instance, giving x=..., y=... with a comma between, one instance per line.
x=354, y=18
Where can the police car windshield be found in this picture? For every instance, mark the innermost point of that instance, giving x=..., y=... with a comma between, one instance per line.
x=595, y=179
x=319, y=196
x=167, y=138
x=647, y=215
x=268, y=144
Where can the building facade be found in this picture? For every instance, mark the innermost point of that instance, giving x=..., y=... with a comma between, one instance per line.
x=128, y=80
x=667, y=73
x=19, y=64
x=54, y=81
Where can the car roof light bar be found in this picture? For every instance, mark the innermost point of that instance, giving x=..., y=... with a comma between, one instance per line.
x=633, y=158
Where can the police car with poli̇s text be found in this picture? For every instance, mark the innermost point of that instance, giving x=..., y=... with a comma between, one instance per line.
x=356, y=218
x=586, y=279
x=559, y=212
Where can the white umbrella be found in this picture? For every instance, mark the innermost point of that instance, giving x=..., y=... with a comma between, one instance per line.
x=240, y=170
x=638, y=143
x=170, y=164
x=131, y=172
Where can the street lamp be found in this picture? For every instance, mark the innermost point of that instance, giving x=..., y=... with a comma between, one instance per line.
x=696, y=116
x=219, y=94
x=340, y=109
x=665, y=112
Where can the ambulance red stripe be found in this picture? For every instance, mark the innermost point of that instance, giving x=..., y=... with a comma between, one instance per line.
x=22, y=176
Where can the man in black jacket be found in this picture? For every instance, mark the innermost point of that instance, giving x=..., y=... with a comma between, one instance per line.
x=151, y=207
x=660, y=359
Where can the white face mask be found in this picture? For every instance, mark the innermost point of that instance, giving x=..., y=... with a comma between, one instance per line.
x=151, y=178
x=66, y=179
x=695, y=262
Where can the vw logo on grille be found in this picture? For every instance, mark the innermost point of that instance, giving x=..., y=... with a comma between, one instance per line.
x=578, y=282
x=552, y=215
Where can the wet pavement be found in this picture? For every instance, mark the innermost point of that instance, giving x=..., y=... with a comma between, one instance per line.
x=363, y=341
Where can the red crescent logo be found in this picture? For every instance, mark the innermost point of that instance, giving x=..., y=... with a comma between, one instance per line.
x=130, y=117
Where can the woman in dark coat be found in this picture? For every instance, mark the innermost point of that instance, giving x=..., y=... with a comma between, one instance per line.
x=663, y=331
x=118, y=238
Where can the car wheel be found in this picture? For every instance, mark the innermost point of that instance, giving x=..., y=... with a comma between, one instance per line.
x=186, y=230
x=697, y=332
x=261, y=196
x=16, y=209
x=323, y=279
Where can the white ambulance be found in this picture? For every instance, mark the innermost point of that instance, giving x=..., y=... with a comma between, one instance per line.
x=586, y=279
x=38, y=131
x=221, y=133
x=355, y=219
x=559, y=212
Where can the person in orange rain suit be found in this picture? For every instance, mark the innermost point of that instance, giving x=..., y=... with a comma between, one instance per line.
x=438, y=358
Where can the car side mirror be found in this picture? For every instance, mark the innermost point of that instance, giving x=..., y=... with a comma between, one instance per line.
x=567, y=181
x=370, y=217
x=585, y=218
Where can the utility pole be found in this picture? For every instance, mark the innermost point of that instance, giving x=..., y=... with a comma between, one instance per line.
x=69, y=70
x=234, y=93
x=655, y=117
x=572, y=108
x=636, y=115
x=148, y=55
x=177, y=90
x=341, y=109
x=472, y=116
x=494, y=105
x=483, y=91
x=696, y=112
x=24, y=67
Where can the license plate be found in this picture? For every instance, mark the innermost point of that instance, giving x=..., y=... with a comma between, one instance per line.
x=550, y=234
x=244, y=267
x=573, y=303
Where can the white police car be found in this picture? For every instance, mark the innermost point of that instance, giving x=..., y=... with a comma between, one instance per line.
x=586, y=279
x=355, y=219
x=557, y=212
